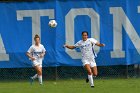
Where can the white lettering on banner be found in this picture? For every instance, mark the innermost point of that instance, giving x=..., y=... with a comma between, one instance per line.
x=35, y=15
x=69, y=23
x=3, y=55
x=121, y=20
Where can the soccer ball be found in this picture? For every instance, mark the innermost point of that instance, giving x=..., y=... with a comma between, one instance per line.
x=52, y=23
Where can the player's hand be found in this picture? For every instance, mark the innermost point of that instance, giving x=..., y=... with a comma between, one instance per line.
x=32, y=58
x=64, y=46
x=103, y=45
x=41, y=55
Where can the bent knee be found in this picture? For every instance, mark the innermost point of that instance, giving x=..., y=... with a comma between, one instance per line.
x=89, y=72
x=95, y=74
x=39, y=72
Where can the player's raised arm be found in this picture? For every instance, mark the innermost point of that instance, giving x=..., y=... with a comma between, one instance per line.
x=69, y=47
x=99, y=44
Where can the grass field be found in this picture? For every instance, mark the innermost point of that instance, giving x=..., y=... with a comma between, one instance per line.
x=72, y=86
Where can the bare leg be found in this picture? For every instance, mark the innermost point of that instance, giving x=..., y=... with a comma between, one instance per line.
x=94, y=71
x=39, y=73
x=89, y=71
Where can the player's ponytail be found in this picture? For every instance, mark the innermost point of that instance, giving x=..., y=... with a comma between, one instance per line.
x=36, y=36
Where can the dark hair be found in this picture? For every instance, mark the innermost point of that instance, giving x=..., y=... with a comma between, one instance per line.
x=36, y=36
x=84, y=32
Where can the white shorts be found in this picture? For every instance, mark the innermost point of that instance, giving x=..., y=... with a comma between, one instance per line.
x=36, y=63
x=91, y=62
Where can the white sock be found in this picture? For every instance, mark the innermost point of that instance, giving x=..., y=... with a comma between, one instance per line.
x=91, y=80
x=35, y=76
x=40, y=79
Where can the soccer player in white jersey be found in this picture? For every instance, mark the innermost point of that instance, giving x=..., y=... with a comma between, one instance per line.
x=36, y=54
x=86, y=46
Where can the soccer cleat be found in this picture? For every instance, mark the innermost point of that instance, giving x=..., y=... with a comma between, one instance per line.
x=92, y=86
x=31, y=80
x=87, y=80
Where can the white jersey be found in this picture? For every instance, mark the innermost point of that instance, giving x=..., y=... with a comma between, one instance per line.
x=86, y=48
x=36, y=51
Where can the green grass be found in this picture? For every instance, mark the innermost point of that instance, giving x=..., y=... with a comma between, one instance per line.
x=73, y=86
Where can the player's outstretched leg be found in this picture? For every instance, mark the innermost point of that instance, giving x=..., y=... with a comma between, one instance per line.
x=90, y=78
x=33, y=78
x=94, y=71
x=39, y=74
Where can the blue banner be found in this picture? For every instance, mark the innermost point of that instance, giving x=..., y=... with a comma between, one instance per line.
x=113, y=22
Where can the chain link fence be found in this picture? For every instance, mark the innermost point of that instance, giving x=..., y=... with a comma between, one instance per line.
x=66, y=72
